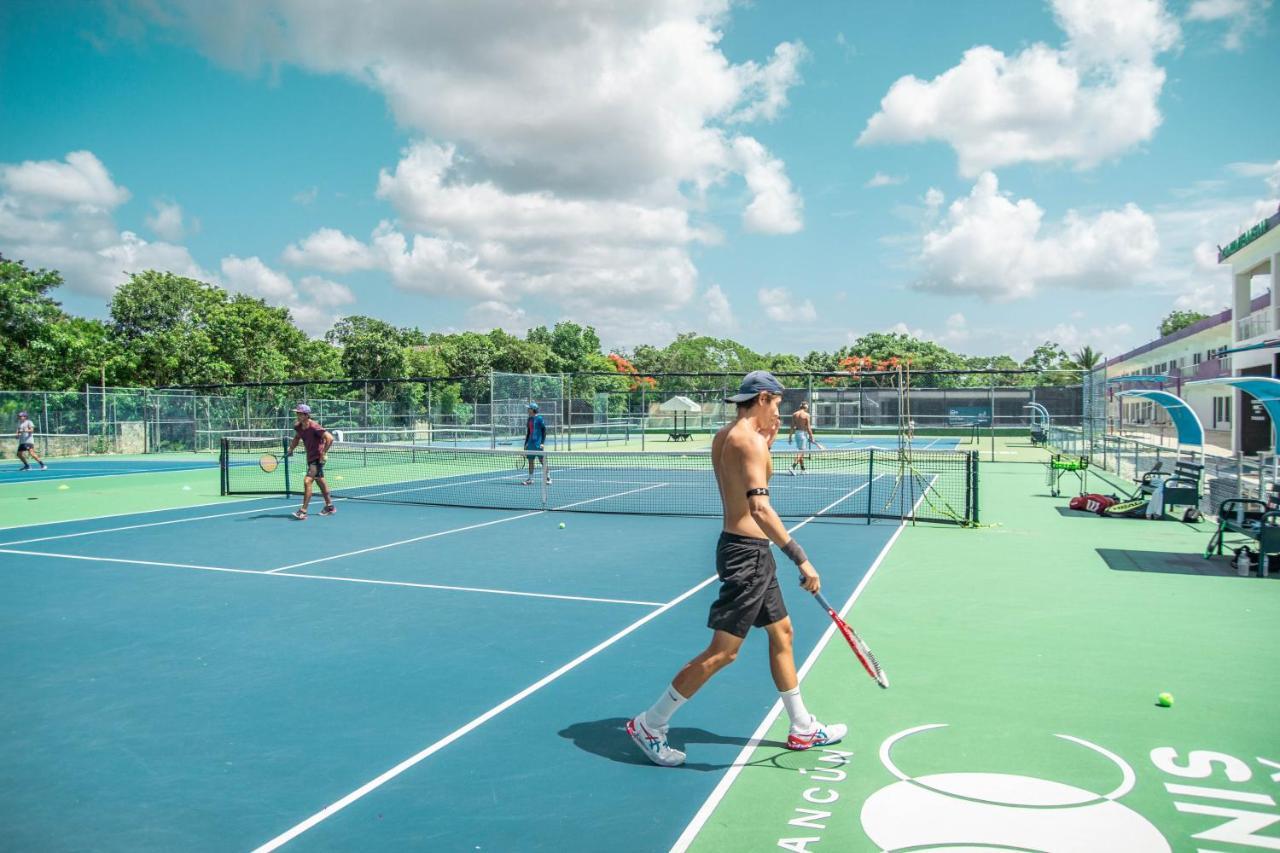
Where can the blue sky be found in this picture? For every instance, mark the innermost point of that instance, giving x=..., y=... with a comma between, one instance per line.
x=791, y=175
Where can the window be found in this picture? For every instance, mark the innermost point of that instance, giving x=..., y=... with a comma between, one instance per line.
x=1221, y=411
x=1195, y=359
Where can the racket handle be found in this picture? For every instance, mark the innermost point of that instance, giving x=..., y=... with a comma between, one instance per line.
x=822, y=599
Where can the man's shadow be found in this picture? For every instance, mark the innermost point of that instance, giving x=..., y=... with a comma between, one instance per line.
x=608, y=738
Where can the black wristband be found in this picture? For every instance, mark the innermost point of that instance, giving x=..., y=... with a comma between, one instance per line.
x=753, y=492
x=793, y=550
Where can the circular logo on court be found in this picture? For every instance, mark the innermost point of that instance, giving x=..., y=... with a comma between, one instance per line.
x=961, y=810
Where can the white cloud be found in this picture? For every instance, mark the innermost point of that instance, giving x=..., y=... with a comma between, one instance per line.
x=80, y=181
x=306, y=197
x=775, y=208
x=167, y=222
x=1269, y=172
x=880, y=179
x=329, y=249
x=1092, y=99
x=995, y=247
x=311, y=305
x=560, y=156
x=1243, y=17
x=769, y=85
x=61, y=215
x=779, y=305
x=719, y=312
x=498, y=315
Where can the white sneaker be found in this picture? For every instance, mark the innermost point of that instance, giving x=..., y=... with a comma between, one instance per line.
x=529, y=482
x=547, y=481
x=818, y=735
x=653, y=743
x=792, y=471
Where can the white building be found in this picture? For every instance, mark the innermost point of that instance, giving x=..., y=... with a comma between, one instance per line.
x=1243, y=340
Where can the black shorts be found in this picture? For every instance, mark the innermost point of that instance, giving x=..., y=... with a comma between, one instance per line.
x=315, y=470
x=26, y=446
x=749, y=593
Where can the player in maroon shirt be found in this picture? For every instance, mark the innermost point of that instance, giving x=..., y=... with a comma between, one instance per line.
x=317, y=441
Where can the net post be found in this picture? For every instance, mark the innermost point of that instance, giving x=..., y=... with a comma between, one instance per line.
x=871, y=477
x=546, y=475
x=973, y=466
x=284, y=447
x=223, y=447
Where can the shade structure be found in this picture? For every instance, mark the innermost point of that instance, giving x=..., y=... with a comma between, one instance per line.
x=1261, y=388
x=1185, y=419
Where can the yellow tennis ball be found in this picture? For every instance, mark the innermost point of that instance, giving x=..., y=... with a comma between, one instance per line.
x=63, y=487
x=562, y=525
x=1164, y=700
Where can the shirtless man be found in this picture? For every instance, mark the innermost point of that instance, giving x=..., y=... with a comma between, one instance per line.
x=749, y=592
x=801, y=435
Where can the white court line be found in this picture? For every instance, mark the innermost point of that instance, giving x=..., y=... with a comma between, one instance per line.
x=227, y=500
x=338, y=578
x=455, y=530
x=131, y=526
x=405, y=541
x=334, y=808
x=757, y=737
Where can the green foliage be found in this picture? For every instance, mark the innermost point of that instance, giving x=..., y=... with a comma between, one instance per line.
x=169, y=330
x=1178, y=320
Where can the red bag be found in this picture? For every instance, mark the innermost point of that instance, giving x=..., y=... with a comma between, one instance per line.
x=1093, y=503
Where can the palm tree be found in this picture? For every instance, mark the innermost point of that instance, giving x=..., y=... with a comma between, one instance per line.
x=1087, y=358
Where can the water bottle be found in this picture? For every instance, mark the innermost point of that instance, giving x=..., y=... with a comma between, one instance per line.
x=1243, y=563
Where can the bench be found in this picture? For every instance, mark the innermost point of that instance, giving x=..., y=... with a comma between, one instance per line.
x=1181, y=488
x=1255, y=519
x=679, y=436
x=1039, y=437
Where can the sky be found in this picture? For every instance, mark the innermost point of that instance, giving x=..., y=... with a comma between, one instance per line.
x=987, y=174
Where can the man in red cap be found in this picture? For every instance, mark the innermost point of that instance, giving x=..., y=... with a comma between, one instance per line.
x=27, y=443
x=317, y=440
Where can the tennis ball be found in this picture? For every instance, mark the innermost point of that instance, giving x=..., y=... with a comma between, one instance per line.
x=63, y=487
x=562, y=525
x=1164, y=700
x=186, y=488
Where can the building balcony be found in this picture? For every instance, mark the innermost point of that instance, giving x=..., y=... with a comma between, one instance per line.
x=1255, y=325
x=1209, y=369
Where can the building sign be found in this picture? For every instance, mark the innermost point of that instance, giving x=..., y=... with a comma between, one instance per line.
x=1249, y=236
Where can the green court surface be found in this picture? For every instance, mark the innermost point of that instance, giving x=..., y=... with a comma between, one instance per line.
x=66, y=492
x=1026, y=659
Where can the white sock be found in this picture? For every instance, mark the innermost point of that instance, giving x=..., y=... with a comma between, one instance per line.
x=660, y=714
x=801, y=719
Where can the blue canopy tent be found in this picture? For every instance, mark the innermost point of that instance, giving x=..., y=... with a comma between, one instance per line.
x=1039, y=431
x=1137, y=379
x=1185, y=419
x=1261, y=388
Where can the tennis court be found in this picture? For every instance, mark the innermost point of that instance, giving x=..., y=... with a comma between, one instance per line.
x=221, y=677
x=414, y=675
x=79, y=467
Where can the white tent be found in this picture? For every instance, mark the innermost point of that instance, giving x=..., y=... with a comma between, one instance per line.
x=678, y=404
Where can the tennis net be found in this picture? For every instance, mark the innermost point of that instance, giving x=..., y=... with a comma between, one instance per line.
x=938, y=486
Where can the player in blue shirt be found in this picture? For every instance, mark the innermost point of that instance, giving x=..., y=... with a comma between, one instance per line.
x=535, y=435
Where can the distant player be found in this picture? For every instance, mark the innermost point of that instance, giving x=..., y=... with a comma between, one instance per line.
x=27, y=443
x=749, y=592
x=801, y=435
x=535, y=437
x=317, y=440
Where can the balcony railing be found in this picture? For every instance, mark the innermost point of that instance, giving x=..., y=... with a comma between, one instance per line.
x=1257, y=323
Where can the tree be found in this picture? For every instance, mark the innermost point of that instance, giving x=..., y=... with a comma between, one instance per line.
x=571, y=346
x=26, y=313
x=1086, y=358
x=1178, y=320
x=163, y=321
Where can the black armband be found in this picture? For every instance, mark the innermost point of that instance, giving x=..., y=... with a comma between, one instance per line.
x=793, y=550
x=751, y=493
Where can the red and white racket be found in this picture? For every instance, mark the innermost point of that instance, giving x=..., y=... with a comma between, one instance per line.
x=855, y=642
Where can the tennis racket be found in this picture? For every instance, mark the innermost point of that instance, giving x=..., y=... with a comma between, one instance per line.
x=868, y=660
x=268, y=462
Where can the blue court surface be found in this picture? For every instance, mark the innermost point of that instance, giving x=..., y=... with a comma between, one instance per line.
x=393, y=677
x=79, y=467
